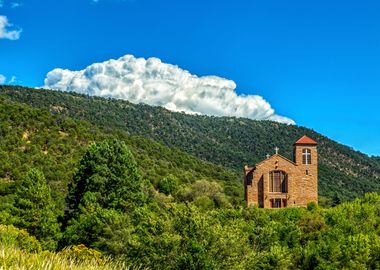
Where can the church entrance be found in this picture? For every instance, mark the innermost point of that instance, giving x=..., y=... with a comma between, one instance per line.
x=278, y=203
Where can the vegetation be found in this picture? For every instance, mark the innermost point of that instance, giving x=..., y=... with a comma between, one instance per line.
x=226, y=141
x=107, y=176
x=19, y=250
x=85, y=197
x=35, y=139
x=141, y=226
x=14, y=258
x=34, y=209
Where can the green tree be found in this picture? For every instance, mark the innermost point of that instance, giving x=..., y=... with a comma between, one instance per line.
x=108, y=172
x=34, y=209
x=168, y=185
x=106, y=185
x=204, y=194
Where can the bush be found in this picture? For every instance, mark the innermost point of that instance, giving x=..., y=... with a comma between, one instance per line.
x=10, y=236
x=204, y=193
x=81, y=253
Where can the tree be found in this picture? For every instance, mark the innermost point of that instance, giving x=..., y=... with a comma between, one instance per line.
x=34, y=209
x=168, y=185
x=109, y=172
x=106, y=186
x=204, y=194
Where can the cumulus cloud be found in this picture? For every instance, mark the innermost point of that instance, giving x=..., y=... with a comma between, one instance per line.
x=2, y=79
x=7, y=33
x=155, y=83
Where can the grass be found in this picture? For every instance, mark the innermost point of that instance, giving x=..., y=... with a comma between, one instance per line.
x=13, y=258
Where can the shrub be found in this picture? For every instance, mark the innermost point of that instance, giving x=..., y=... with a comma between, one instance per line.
x=81, y=253
x=11, y=236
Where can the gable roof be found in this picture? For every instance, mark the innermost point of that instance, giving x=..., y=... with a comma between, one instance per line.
x=273, y=156
x=305, y=140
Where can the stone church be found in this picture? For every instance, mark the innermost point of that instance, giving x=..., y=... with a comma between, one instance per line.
x=278, y=182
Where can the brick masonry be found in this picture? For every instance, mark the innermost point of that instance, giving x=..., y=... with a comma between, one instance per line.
x=302, y=179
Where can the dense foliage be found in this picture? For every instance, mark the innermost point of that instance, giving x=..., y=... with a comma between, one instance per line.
x=89, y=192
x=227, y=141
x=191, y=236
x=162, y=234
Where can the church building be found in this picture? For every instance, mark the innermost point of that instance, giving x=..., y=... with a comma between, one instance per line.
x=278, y=182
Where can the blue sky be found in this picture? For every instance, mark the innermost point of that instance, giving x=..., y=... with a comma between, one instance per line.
x=316, y=62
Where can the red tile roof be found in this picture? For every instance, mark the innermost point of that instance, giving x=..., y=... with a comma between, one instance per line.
x=306, y=140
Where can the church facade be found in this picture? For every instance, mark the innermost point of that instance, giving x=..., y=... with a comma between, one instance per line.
x=278, y=182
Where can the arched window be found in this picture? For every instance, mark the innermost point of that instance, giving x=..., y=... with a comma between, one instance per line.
x=278, y=181
x=306, y=156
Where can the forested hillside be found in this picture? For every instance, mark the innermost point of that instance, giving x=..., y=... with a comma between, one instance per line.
x=93, y=194
x=34, y=138
x=226, y=141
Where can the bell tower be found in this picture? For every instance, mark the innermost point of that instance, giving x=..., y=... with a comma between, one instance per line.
x=306, y=159
x=305, y=152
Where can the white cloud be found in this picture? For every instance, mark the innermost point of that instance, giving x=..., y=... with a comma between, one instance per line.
x=15, y=5
x=2, y=79
x=12, y=80
x=155, y=83
x=7, y=33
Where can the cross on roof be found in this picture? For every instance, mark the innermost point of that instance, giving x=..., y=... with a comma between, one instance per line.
x=268, y=156
x=276, y=149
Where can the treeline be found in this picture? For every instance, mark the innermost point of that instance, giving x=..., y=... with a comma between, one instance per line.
x=112, y=209
x=225, y=141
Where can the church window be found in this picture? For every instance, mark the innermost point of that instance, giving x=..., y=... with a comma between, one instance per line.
x=278, y=181
x=306, y=156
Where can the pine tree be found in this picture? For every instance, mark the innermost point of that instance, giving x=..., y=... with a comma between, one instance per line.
x=34, y=209
x=108, y=174
x=106, y=186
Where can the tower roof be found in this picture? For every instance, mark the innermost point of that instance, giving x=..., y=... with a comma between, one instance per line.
x=305, y=140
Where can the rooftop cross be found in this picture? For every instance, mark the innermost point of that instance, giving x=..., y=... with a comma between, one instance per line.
x=276, y=149
x=268, y=156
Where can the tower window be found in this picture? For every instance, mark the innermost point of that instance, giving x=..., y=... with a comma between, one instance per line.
x=306, y=156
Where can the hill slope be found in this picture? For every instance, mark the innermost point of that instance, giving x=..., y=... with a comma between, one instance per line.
x=226, y=141
x=34, y=138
